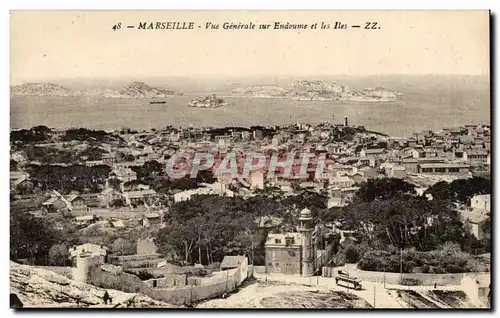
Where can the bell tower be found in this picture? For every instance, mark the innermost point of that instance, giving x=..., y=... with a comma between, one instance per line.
x=306, y=228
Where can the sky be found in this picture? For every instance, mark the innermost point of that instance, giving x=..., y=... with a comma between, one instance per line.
x=82, y=44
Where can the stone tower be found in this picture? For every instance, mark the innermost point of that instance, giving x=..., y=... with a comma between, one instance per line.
x=306, y=228
x=82, y=265
x=346, y=122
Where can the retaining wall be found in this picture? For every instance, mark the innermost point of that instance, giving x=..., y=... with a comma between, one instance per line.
x=394, y=278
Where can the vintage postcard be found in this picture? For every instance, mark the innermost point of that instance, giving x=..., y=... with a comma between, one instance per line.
x=250, y=159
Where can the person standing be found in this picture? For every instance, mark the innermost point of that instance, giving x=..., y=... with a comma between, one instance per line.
x=106, y=297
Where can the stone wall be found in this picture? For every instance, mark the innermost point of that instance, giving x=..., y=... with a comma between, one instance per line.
x=394, y=278
x=208, y=287
x=171, y=280
x=191, y=294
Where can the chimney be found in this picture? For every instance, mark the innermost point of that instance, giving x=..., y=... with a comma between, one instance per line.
x=346, y=123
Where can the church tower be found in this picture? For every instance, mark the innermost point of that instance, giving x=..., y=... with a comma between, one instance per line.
x=306, y=228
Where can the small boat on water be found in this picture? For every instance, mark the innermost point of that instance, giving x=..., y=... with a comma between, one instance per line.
x=158, y=102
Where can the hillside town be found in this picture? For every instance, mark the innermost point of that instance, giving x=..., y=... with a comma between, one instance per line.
x=413, y=211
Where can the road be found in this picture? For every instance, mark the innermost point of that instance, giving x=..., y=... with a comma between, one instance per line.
x=373, y=293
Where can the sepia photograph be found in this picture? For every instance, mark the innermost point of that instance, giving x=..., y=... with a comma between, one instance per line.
x=250, y=160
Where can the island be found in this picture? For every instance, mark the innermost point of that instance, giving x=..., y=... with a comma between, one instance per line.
x=207, y=102
x=137, y=90
x=40, y=89
x=318, y=90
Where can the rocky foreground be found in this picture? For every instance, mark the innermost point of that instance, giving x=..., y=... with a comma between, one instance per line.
x=40, y=288
x=260, y=294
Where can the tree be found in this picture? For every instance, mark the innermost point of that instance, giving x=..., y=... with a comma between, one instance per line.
x=266, y=203
x=31, y=237
x=13, y=165
x=92, y=153
x=181, y=236
x=122, y=246
x=35, y=134
x=382, y=189
x=405, y=221
x=121, y=156
x=58, y=255
x=118, y=203
x=207, y=227
x=68, y=178
x=115, y=183
x=460, y=190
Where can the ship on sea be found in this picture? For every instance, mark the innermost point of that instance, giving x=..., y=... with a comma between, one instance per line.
x=157, y=102
x=208, y=102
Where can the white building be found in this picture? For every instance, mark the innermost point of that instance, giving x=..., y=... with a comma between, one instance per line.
x=341, y=182
x=481, y=202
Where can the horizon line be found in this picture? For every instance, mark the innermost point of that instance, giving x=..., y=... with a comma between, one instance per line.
x=225, y=76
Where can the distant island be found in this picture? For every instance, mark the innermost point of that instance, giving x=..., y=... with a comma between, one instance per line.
x=208, y=102
x=318, y=90
x=40, y=89
x=132, y=90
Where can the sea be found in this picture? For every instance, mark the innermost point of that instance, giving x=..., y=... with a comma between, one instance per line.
x=427, y=102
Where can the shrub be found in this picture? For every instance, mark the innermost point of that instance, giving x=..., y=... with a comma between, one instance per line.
x=437, y=270
x=382, y=261
x=195, y=271
x=122, y=246
x=213, y=266
x=144, y=275
x=410, y=282
x=339, y=259
x=425, y=268
x=117, y=203
x=58, y=254
x=351, y=254
x=447, y=259
x=453, y=268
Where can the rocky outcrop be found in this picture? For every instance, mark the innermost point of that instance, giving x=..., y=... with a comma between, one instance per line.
x=318, y=90
x=37, y=287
